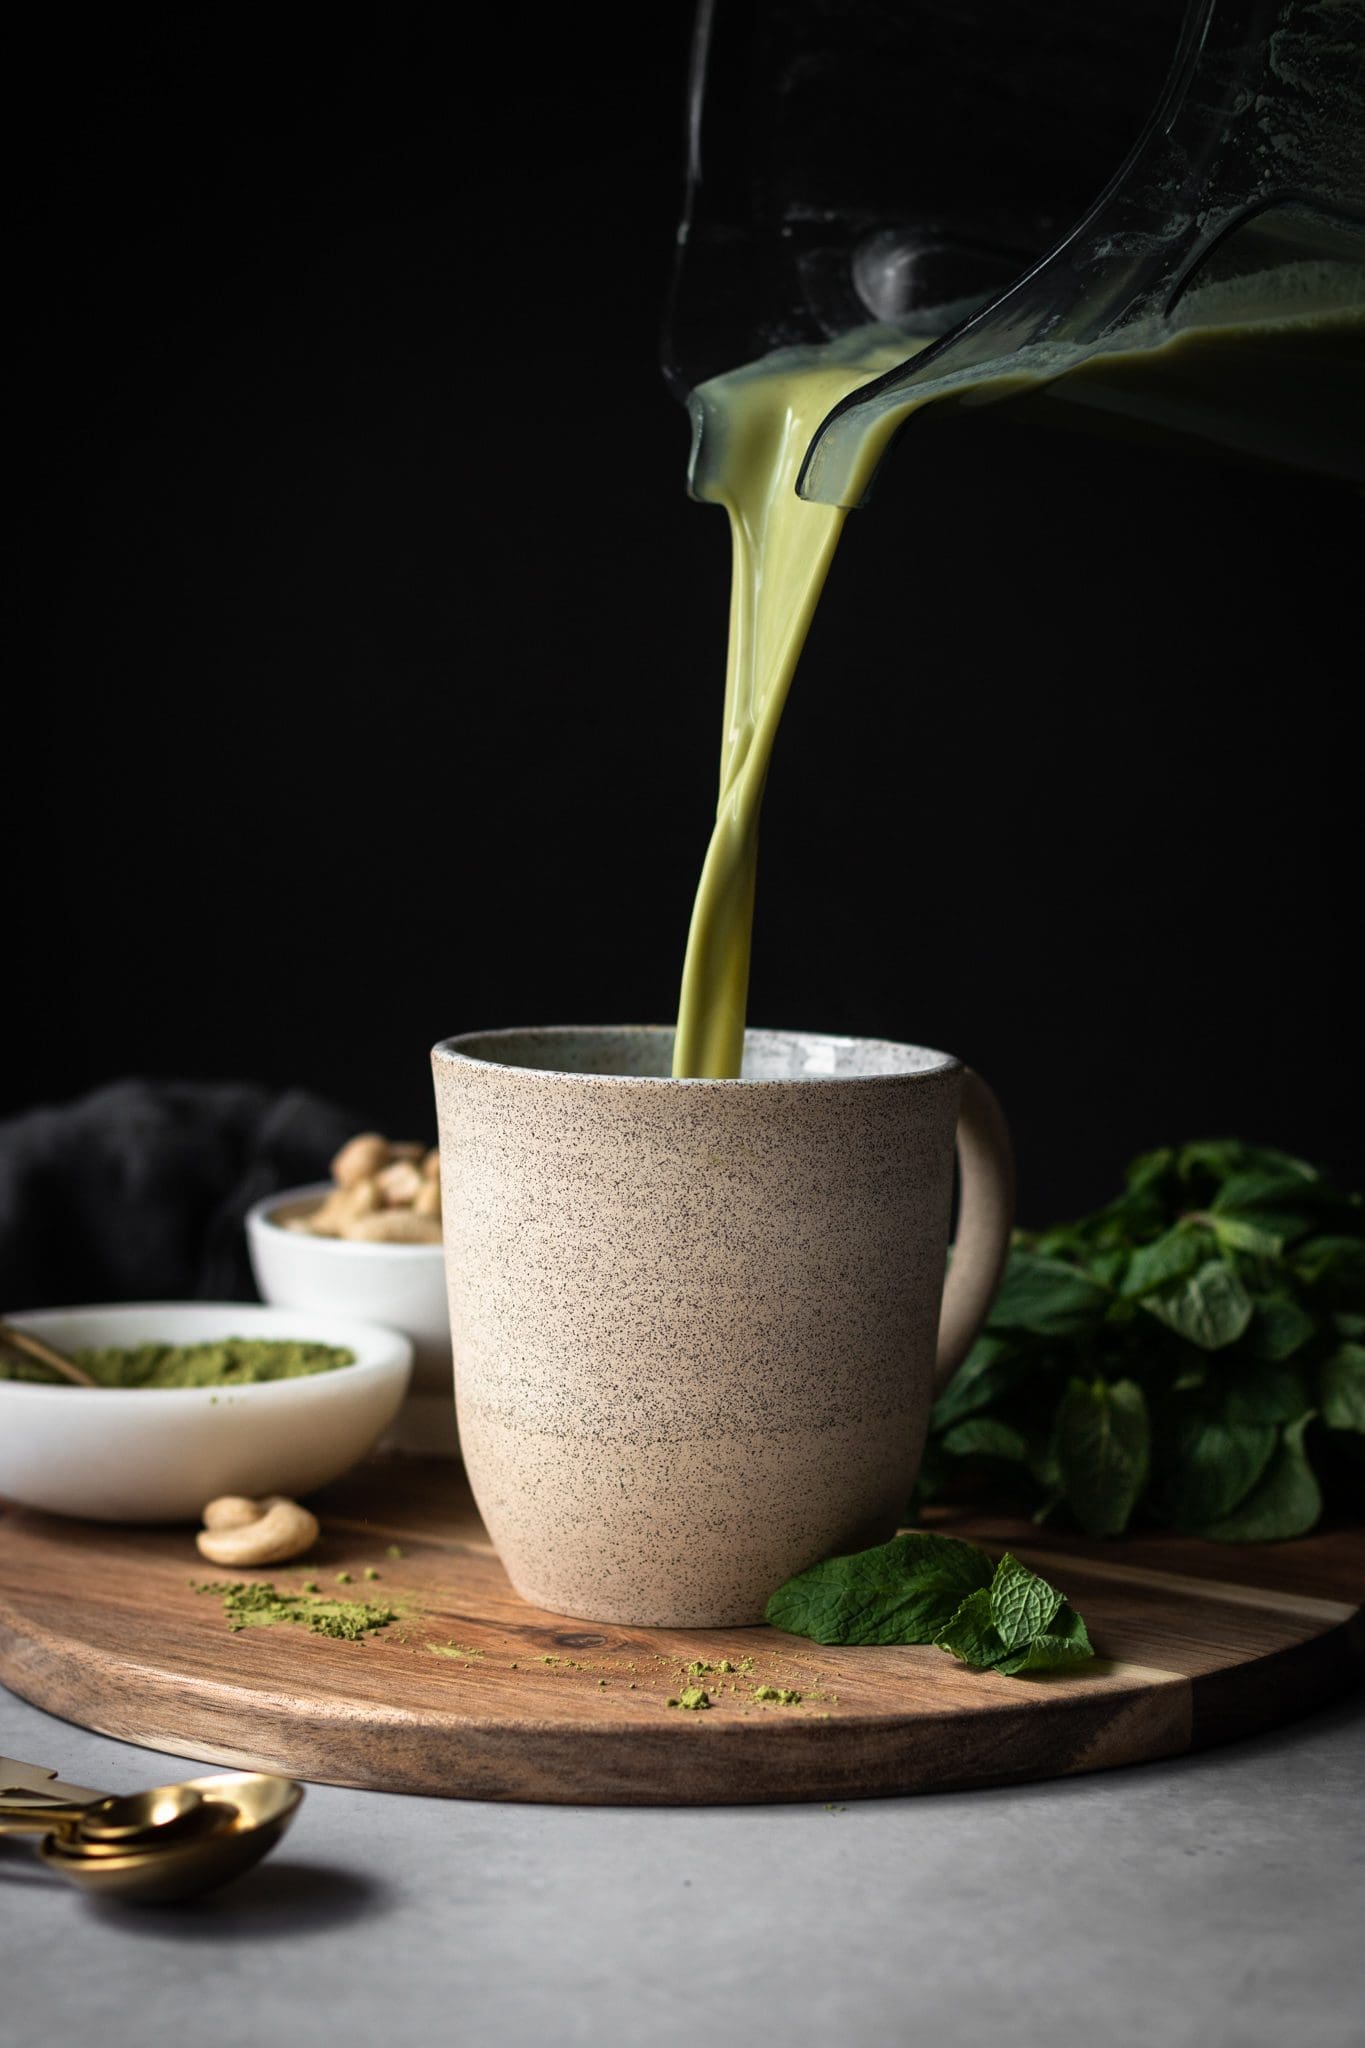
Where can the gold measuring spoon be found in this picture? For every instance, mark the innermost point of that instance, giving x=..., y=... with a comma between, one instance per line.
x=151, y=1847
x=34, y=1347
x=140, y=1819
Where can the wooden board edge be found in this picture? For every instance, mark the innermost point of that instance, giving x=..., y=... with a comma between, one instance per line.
x=685, y=1761
x=1280, y=1687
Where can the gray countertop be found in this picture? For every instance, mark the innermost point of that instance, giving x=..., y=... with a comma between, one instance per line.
x=1216, y=1900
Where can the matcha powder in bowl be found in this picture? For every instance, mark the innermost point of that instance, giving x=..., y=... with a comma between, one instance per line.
x=193, y=1400
x=228, y=1362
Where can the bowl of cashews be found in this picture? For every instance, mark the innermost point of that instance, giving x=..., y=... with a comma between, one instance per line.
x=156, y=1454
x=369, y=1242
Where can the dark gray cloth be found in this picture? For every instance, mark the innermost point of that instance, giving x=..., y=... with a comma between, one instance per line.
x=137, y=1192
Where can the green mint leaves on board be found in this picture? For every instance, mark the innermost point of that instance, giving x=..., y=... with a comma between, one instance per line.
x=903, y=1591
x=921, y=1588
x=1193, y=1355
x=1018, y=1624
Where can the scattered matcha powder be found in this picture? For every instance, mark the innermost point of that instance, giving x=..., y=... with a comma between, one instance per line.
x=261, y=1605
x=370, y=1572
x=779, y=1695
x=344, y=1579
x=394, y=1550
x=691, y=1698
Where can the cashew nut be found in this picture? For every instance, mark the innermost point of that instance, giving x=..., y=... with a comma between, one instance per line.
x=395, y=1226
x=231, y=1511
x=277, y=1529
x=399, y=1184
x=359, y=1158
x=431, y=1165
x=428, y=1201
x=324, y=1221
x=343, y=1206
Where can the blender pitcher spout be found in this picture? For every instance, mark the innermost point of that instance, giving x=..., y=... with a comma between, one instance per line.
x=912, y=180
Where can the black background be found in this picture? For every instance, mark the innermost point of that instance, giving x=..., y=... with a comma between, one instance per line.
x=372, y=657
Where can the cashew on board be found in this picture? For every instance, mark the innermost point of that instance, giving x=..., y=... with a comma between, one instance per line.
x=241, y=1531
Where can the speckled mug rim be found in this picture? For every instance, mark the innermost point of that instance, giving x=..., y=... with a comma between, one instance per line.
x=452, y=1050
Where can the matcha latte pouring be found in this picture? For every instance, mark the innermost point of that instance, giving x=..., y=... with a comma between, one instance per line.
x=1293, y=334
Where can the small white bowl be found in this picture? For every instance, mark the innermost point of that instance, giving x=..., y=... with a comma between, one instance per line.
x=403, y=1285
x=157, y=1454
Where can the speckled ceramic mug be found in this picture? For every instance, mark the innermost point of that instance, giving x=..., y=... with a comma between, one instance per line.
x=698, y=1325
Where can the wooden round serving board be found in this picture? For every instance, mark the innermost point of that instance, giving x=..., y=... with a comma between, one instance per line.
x=473, y=1694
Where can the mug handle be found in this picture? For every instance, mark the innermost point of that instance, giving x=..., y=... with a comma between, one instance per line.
x=985, y=1217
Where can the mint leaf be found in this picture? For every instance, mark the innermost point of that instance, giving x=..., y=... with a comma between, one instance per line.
x=1237, y=1234
x=1286, y=1503
x=992, y=1366
x=1047, y=1297
x=1339, y=1259
x=1221, y=1158
x=899, y=1592
x=1211, y=1466
x=1108, y=1267
x=1249, y=1390
x=982, y=1436
x=1102, y=1442
x=1171, y=1257
x=971, y=1636
x=1265, y=1189
x=1343, y=1388
x=1022, y=1605
x=1281, y=1327
x=1066, y=1626
x=1211, y=1309
x=1149, y=1170
x=1066, y=1642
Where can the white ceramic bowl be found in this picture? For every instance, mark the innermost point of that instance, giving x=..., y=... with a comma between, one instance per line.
x=156, y=1454
x=403, y=1285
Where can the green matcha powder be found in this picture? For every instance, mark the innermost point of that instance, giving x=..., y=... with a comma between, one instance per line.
x=234, y=1362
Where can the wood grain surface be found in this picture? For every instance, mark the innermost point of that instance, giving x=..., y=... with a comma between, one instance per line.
x=473, y=1694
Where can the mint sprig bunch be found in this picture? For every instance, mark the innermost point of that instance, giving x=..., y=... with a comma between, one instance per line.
x=1017, y=1624
x=920, y=1588
x=1194, y=1354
